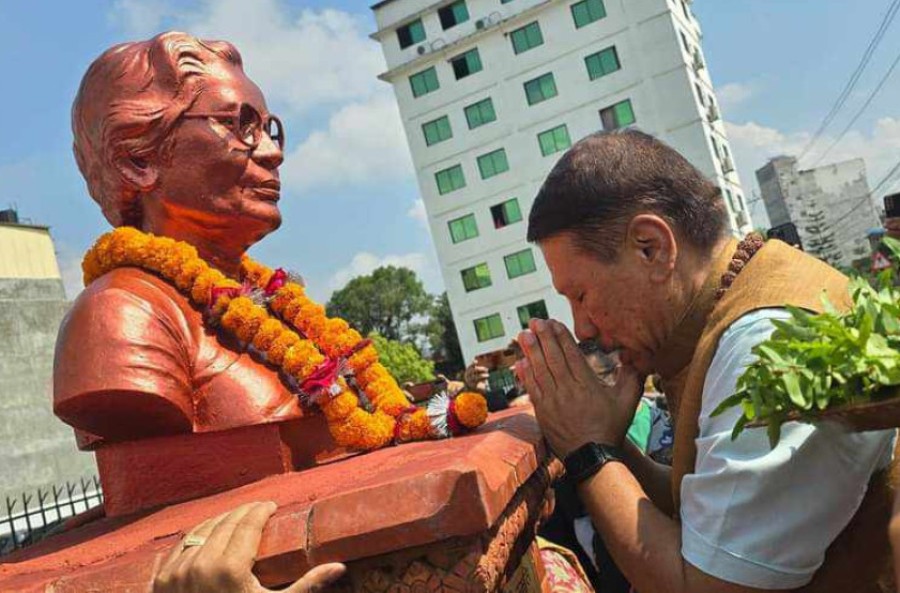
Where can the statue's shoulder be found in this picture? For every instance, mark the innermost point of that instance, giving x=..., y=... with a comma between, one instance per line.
x=125, y=298
x=131, y=287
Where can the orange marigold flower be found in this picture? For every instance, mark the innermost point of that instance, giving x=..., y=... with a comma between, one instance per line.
x=253, y=319
x=471, y=409
x=341, y=406
x=203, y=285
x=279, y=347
x=414, y=427
x=188, y=273
x=363, y=359
x=268, y=332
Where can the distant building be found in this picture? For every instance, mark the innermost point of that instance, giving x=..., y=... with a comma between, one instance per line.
x=37, y=448
x=491, y=92
x=831, y=206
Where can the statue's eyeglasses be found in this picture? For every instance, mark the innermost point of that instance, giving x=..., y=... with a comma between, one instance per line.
x=246, y=124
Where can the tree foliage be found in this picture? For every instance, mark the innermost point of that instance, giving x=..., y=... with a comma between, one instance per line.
x=403, y=361
x=390, y=301
x=443, y=339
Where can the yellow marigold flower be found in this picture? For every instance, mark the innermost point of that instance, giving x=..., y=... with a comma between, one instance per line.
x=471, y=409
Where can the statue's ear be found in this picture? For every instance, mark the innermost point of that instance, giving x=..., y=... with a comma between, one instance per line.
x=138, y=171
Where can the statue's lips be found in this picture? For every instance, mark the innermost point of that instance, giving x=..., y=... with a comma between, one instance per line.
x=268, y=190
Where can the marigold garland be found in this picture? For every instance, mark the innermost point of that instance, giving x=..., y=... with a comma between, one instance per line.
x=324, y=355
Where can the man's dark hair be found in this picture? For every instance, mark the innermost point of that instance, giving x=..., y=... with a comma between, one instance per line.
x=607, y=178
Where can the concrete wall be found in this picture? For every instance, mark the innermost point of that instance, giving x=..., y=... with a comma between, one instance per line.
x=37, y=448
x=26, y=252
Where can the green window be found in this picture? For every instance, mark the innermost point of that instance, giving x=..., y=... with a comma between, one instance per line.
x=480, y=113
x=488, y=328
x=618, y=116
x=554, y=140
x=506, y=213
x=526, y=37
x=453, y=14
x=437, y=130
x=450, y=179
x=411, y=34
x=476, y=277
x=424, y=82
x=602, y=63
x=493, y=163
x=463, y=228
x=537, y=309
x=519, y=263
x=587, y=11
x=540, y=89
x=505, y=1
x=466, y=64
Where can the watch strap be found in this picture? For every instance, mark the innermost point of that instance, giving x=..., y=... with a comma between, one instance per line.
x=586, y=460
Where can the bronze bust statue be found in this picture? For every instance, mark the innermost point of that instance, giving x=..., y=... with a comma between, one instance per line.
x=173, y=139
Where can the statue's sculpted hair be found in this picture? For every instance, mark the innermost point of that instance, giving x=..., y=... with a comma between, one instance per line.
x=127, y=104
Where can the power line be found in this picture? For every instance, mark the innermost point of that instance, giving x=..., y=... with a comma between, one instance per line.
x=862, y=109
x=854, y=78
x=886, y=178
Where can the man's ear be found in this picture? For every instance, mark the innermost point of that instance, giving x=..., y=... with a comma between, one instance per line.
x=651, y=238
x=139, y=172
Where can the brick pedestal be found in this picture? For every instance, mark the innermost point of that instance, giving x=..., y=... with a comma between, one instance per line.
x=455, y=515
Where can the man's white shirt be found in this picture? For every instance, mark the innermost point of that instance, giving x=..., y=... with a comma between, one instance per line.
x=764, y=517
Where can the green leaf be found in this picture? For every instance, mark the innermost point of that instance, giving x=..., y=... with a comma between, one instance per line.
x=792, y=385
x=739, y=427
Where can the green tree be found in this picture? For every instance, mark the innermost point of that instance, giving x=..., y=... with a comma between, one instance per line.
x=403, y=361
x=390, y=301
x=443, y=339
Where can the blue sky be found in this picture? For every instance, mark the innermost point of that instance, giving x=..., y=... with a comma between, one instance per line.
x=350, y=198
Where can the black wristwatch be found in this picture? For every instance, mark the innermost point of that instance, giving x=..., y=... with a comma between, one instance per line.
x=586, y=460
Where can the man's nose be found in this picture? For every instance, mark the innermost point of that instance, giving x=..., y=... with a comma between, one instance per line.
x=584, y=329
x=267, y=153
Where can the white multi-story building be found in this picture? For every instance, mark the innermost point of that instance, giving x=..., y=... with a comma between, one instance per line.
x=492, y=91
x=831, y=206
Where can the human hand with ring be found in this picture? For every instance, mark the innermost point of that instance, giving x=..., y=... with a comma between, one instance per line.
x=218, y=555
x=572, y=405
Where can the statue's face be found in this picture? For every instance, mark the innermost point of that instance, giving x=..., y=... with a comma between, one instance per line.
x=217, y=174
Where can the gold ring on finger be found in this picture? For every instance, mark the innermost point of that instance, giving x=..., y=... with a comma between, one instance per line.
x=192, y=541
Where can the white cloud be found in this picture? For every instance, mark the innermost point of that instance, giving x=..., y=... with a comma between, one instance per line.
x=753, y=144
x=733, y=94
x=364, y=143
x=365, y=263
x=317, y=58
x=139, y=18
x=312, y=63
x=418, y=213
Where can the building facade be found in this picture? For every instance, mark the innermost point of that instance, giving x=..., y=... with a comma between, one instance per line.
x=831, y=206
x=491, y=92
x=38, y=449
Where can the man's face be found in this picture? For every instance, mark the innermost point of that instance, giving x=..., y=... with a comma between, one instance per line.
x=211, y=178
x=615, y=303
